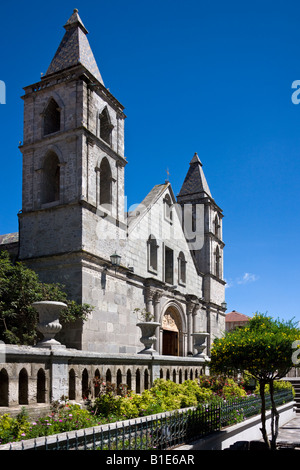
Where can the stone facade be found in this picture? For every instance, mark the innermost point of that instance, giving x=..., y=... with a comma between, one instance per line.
x=74, y=218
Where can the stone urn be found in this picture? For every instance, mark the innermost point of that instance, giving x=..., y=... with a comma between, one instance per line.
x=148, y=338
x=49, y=326
x=199, y=343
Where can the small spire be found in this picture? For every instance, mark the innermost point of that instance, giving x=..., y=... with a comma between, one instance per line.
x=75, y=21
x=195, y=181
x=195, y=159
x=74, y=49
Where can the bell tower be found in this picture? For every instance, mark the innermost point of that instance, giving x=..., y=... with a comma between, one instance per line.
x=207, y=219
x=73, y=164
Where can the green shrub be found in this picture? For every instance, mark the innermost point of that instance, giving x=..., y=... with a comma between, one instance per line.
x=232, y=389
x=278, y=386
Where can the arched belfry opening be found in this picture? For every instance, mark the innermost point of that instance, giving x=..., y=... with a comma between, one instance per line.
x=172, y=332
x=105, y=126
x=105, y=183
x=51, y=179
x=51, y=118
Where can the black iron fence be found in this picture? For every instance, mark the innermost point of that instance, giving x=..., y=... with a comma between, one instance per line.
x=164, y=431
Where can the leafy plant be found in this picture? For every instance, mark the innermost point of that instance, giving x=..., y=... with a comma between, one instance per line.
x=144, y=315
x=19, y=288
x=264, y=349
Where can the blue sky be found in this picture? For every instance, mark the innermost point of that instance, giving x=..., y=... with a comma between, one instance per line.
x=208, y=77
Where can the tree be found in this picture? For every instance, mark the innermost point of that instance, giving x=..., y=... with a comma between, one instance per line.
x=19, y=288
x=263, y=348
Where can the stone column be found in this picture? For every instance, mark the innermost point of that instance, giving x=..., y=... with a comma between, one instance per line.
x=156, y=299
x=189, y=310
x=149, y=299
x=208, y=329
x=194, y=315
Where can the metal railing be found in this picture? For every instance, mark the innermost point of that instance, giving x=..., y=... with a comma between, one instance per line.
x=163, y=431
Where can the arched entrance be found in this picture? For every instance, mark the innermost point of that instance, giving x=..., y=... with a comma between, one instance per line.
x=172, y=340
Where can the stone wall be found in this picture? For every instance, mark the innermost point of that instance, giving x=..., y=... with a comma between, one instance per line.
x=34, y=377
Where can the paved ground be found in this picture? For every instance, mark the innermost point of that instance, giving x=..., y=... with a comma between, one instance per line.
x=289, y=433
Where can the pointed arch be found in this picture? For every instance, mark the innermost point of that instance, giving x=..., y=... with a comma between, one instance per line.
x=23, y=387
x=119, y=381
x=138, y=381
x=146, y=379
x=217, y=226
x=72, y=385
x=105, y=190
x=85, y=384
x=41, y=386
x=217, y=262
x=173, y=321
x=152, y=251
x=128, y=380
x=168, y=214
x=52, y=117
x=108, y=376
x=105, y=126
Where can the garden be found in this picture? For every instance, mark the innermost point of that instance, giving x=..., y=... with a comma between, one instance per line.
x=114, y=404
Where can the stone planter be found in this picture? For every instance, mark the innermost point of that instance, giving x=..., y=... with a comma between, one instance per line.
x=49, y=326
x=148, y=336
x=199, y=343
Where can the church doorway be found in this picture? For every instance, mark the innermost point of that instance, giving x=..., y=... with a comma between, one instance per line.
x=171, y=333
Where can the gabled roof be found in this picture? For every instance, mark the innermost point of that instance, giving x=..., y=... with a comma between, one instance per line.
x=74, y=49
x=195, y=181
x=147, y=203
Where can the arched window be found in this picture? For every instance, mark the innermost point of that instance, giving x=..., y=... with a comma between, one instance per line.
x=217, y=262
x=168, y=208
x=217, y=226
x=52, y=118
x=181, y=268
x=152, y=253
x=3, y=388
x=169, y=261
x=72, y=385
x=105, y=126
x=23, y=387
x=41, y=386
x=51, y=179
x=105, y=184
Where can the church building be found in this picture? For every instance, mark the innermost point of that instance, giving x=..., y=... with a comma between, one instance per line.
x=165, y=257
